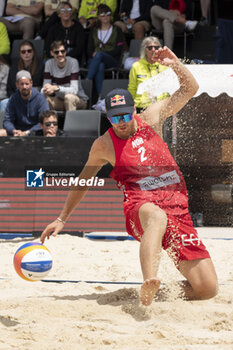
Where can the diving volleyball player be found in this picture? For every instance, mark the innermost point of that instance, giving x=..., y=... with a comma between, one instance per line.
x=155, y=195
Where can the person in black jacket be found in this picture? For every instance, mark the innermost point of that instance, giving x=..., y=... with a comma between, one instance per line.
x=49, y=125
x=135, y=16
x=67, y=30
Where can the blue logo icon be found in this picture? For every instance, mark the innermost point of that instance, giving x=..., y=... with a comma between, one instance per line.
x=35, y=178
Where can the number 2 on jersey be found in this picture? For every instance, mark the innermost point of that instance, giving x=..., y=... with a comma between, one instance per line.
x=142, y=151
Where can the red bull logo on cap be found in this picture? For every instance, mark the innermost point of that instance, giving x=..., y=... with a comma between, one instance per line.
x=117, y=100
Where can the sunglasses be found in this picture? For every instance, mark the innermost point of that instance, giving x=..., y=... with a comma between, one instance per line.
x=102, y=14
x=117, y=118
x=56, y=52
x=24, y=51
x=50, y=123
x=150, y=47
x=65, y=10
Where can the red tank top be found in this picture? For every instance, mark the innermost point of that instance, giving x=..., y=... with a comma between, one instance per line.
x=146, y=171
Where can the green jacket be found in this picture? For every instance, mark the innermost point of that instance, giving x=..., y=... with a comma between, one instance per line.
x=88, y=8
x=4, y=40
x=141, y=71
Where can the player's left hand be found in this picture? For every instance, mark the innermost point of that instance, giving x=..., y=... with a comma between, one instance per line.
x=165, y=56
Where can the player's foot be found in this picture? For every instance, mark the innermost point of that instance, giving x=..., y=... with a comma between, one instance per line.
x=148, y=290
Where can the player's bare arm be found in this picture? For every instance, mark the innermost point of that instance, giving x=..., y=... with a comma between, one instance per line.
x=157, y=113
x=98, y=157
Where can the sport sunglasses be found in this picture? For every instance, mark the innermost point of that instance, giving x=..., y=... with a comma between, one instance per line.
x=117, y=118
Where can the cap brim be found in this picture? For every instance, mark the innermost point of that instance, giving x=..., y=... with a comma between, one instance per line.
x=120, y=110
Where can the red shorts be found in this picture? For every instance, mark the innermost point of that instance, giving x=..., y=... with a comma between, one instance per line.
x=180, y=240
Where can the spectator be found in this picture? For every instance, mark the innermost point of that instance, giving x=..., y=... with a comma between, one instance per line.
x=88, y=11
x=135, y=16
x=49, y=125
x=205, y=6
x=144, y=69
x=4, y=40
x=68, y=31
x=4, y=71
x=105, y=46
x=61, y=85
x=24, y=107
x=170, y=18
x=27, y=61
x=51, y=15
x=25, y=16
x=51, y=6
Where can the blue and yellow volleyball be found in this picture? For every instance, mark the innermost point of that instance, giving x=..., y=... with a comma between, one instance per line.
x=32, y=261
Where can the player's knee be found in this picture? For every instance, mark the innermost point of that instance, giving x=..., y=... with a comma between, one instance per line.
x=207, y=289
x=152, y=214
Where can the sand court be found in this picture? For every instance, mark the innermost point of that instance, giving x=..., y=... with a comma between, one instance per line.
x=85, y=315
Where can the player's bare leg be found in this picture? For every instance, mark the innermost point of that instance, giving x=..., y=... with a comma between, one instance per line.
x=201, y=279
x=154, y=222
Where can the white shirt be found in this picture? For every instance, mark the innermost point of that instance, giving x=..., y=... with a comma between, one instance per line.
x=104, y=35
x=135, y=13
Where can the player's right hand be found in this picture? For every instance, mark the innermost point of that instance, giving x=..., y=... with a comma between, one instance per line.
x=52, y=229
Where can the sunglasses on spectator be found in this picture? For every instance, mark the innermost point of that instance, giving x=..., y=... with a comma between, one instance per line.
x=50, y=123
x=117, y=118
x=150, y=47
x=56, y=52
x=26, y=51
x=102, y=14
x=65, y=10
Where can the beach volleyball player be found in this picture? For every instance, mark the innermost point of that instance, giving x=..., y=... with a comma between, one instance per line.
x=155, y=196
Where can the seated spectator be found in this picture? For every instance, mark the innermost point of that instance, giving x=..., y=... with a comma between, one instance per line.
x=88, y=11
x=27, y=61
x=51, y=7
x=5, y=45
x=135, y=17
x=105, y=46
x=4, y=71
x=170, y=17
x=24, y=16
x=61, y=85
x=24, y=107
x=51, y=15
x=67, y=30
x=144, y=69
x=49, y=125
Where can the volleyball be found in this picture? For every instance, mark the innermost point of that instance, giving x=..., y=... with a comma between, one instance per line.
x=32, y=261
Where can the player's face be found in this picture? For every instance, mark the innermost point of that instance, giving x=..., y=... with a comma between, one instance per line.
x=24, y=85
x=50, y=126
x=123, y=124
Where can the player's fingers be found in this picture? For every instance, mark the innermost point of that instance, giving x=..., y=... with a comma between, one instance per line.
x=45, y=233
